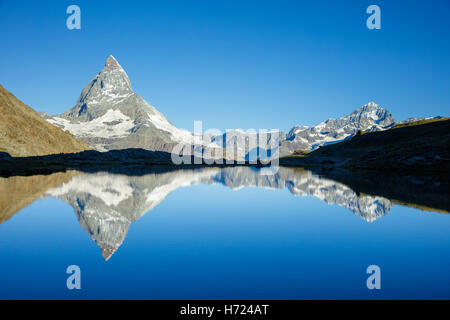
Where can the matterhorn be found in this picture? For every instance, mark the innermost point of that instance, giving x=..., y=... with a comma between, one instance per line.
x=109, y=115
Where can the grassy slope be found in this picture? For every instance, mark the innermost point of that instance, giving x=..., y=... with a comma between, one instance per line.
x=419, y=122
x=24, y=133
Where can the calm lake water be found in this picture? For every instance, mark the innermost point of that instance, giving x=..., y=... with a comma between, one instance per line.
x=220, y=233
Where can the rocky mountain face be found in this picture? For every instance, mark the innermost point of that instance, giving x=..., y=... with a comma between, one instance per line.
x=24, y=133
x=106, y=204
x=369, y=117
x=109, y=115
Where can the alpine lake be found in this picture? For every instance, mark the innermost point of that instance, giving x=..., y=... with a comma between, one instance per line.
x=224, y=233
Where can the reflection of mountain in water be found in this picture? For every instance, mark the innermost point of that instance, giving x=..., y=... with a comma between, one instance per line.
x=106, y=204
x=304, y=183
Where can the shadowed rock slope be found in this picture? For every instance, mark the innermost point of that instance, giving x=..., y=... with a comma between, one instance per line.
x=24, y=133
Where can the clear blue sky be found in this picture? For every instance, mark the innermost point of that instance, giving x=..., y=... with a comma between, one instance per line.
x=235, y=64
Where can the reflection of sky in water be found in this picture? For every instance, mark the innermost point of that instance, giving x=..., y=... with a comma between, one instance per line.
x=210, y=241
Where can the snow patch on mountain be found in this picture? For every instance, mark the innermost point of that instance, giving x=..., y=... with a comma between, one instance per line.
x=113, y=124
x=179, y=135
x=111, y=189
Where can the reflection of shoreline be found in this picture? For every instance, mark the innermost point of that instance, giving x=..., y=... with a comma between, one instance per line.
x=107, y=203
x=19, y=192
x=423, y=192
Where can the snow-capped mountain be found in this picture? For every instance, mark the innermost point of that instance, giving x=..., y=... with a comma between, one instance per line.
x=106, y=204
x=109, y=115
x=369, y=117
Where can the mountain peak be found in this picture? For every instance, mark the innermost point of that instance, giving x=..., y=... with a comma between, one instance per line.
x=112, y=62
x=110, y=86
x=371, y=114
x=372, y=104
x=369, y=117
x=109, y=115
x=107, y=252
x=369, y=107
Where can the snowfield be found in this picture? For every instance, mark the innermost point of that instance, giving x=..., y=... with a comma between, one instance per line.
x=113, y=124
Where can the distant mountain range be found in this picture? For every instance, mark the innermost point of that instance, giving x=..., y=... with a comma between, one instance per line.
x=24, y=133
x=109, y=115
